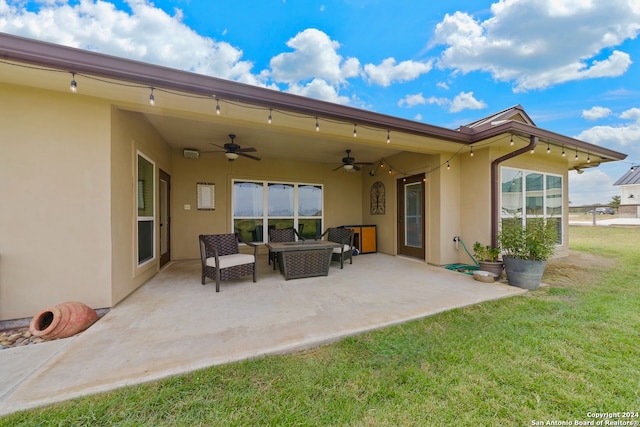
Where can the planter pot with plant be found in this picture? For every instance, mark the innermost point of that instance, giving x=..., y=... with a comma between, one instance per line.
x=526, y=250
x=487, y=258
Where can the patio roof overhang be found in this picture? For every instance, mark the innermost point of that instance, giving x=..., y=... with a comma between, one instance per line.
x=186, y=114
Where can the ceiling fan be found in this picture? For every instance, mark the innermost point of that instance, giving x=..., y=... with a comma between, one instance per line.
x=233, y=150
x=349, y=164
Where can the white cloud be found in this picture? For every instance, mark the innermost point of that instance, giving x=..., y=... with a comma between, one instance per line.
x=537, y=44
x=315, y=56
x=631, y=114
x=612, y=136
x=462, y=101
x=584, y=189
x=465, y=101
x=596, y=113
x=147, y=34
x=388, y=71
x=419, y=99
x=318, y=89
x=442, y=85
x=626, y=135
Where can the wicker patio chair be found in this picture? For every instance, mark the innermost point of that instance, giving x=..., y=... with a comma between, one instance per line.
x=281, y=235
x=343, y=236
x=222, y=260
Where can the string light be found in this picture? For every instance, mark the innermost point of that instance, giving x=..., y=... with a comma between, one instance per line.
x=73, y=86
x=533, y=150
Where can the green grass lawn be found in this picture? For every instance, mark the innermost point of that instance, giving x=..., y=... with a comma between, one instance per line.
x=555, y=354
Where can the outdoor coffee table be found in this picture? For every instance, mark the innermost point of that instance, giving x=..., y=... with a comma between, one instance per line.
x=307, y=258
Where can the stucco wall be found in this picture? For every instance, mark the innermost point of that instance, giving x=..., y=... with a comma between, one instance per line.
x=131, y=133
x=342, y=193
x=55, y=235
x=438, y=216
x=475, y=190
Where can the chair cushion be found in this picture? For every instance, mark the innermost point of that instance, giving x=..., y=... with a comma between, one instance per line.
x=339, y=250
x=231, y=260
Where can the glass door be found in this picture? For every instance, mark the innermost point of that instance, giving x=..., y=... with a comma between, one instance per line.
x=411, y=208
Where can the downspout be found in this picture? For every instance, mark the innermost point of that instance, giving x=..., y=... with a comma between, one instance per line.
x=495, y=186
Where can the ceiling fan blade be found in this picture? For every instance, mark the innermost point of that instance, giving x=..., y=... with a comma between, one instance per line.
x=219, y=146
x=246, y=150
x=363, y=163
x=356, y=168
x=339, y=167
x=249, y=156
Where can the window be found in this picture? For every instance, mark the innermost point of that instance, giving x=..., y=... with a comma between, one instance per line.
x=529, y=194
x=276, y=205
x=146, y=210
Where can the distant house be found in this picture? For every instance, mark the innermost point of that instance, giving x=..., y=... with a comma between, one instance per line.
x=111, y=168
x=630, y=193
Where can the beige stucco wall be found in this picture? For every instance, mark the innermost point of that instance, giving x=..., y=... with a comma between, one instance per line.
x=475, y=191
x=475, y=201
x=441, y=210
x=342, y=194
x=55, y=234
x=131, y=133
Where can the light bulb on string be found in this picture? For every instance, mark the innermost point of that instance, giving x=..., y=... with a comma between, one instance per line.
x=588, y=158
x=576, y=157
x=471, y=151
x=548, y=148
x=448, y=166
x=355, y=132
x=73, y=86
x=152, y=99
x=388, y=136
x=269, y=119
x=511, y=142
x=563, y=153
x=317, y=125
x=217, y=107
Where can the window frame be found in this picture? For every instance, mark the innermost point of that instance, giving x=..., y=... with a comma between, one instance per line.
x=145, y=218
x=265, y=217
x=544, y=194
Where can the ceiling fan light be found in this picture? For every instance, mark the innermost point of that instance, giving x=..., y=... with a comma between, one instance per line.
x=231, y=156
x=348, y=167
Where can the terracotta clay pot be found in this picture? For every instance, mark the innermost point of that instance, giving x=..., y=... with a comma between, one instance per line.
x=62, y=321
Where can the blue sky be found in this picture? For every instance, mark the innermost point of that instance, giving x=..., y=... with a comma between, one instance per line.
x=572, y=64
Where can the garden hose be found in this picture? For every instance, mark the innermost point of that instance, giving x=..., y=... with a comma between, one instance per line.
x=463, y=268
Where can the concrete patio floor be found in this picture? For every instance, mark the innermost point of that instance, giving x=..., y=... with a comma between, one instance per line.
x=173, y=325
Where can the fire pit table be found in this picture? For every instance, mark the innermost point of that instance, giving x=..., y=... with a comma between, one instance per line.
x=307, y=258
